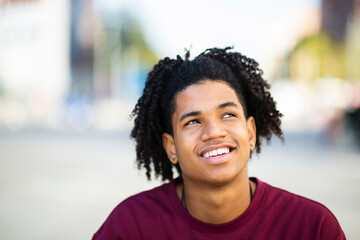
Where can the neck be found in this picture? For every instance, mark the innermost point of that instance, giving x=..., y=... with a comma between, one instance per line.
x=216, y=203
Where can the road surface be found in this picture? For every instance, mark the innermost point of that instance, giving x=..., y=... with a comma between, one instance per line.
x=62, y=185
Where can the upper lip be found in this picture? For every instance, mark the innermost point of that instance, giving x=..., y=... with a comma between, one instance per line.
x=215, y=147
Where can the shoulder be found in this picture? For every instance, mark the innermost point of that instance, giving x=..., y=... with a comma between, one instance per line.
x=277, y=197
x=292, y=209
x=151, y=196
x=144, y=203
x=137, y=209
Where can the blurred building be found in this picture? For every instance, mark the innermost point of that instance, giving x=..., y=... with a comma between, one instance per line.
x=335, y=16
x=82, y=48
x=34, y=65
x=352, y=46
x=63, y=62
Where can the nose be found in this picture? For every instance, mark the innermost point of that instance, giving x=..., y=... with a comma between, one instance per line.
x=213, y=130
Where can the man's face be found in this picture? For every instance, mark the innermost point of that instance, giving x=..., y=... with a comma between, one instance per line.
x=211, y=136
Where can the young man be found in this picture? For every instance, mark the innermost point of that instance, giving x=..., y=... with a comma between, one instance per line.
x=204, y=117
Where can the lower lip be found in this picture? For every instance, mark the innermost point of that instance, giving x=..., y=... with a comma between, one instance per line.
x=218, y=159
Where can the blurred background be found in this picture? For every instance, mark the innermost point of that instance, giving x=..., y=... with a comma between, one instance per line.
x=71, y=72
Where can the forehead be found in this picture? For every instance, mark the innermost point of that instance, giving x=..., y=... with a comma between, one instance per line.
x=204, y=96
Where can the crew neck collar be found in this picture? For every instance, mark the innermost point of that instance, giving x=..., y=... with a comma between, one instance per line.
x=233, y=225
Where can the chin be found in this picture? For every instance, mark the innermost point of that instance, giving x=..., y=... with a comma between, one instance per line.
x=223, y=179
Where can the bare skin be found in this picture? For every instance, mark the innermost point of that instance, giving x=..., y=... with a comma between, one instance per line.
x=212, y=140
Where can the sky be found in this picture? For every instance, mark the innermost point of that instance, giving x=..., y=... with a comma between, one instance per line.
x=263, y=30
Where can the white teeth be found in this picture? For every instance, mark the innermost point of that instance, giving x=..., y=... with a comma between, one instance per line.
x=216, y=152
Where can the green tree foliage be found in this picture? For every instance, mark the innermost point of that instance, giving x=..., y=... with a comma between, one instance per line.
x=316, y=56
x=133, y=40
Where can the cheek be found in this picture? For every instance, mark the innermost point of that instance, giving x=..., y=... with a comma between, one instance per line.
x=239, y=131
x=187, y=138
x=185, y=150
x=184, y=145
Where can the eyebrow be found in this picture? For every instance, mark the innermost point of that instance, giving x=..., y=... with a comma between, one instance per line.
x=196, y=113
x=227, y=104
x=189, y=114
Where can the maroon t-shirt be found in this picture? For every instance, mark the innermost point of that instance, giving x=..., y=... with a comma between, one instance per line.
x=273, y=214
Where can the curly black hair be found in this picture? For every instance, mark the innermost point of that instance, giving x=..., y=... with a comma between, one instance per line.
x=154, y=109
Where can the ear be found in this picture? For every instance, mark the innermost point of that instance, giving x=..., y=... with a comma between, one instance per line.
x=251, y=126
x=169, y=146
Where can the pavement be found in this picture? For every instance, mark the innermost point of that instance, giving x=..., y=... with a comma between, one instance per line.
x=63, y=185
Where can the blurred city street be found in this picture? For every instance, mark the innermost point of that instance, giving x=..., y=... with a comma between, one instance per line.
x=62, y=185
x=72, y=71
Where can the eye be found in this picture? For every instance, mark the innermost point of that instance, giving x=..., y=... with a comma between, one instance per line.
x=192, y=122
x=229, y=115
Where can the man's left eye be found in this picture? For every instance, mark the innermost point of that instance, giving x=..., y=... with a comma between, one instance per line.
x=228, y=115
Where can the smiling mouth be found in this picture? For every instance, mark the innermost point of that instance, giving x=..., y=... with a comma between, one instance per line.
x=217, y=152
